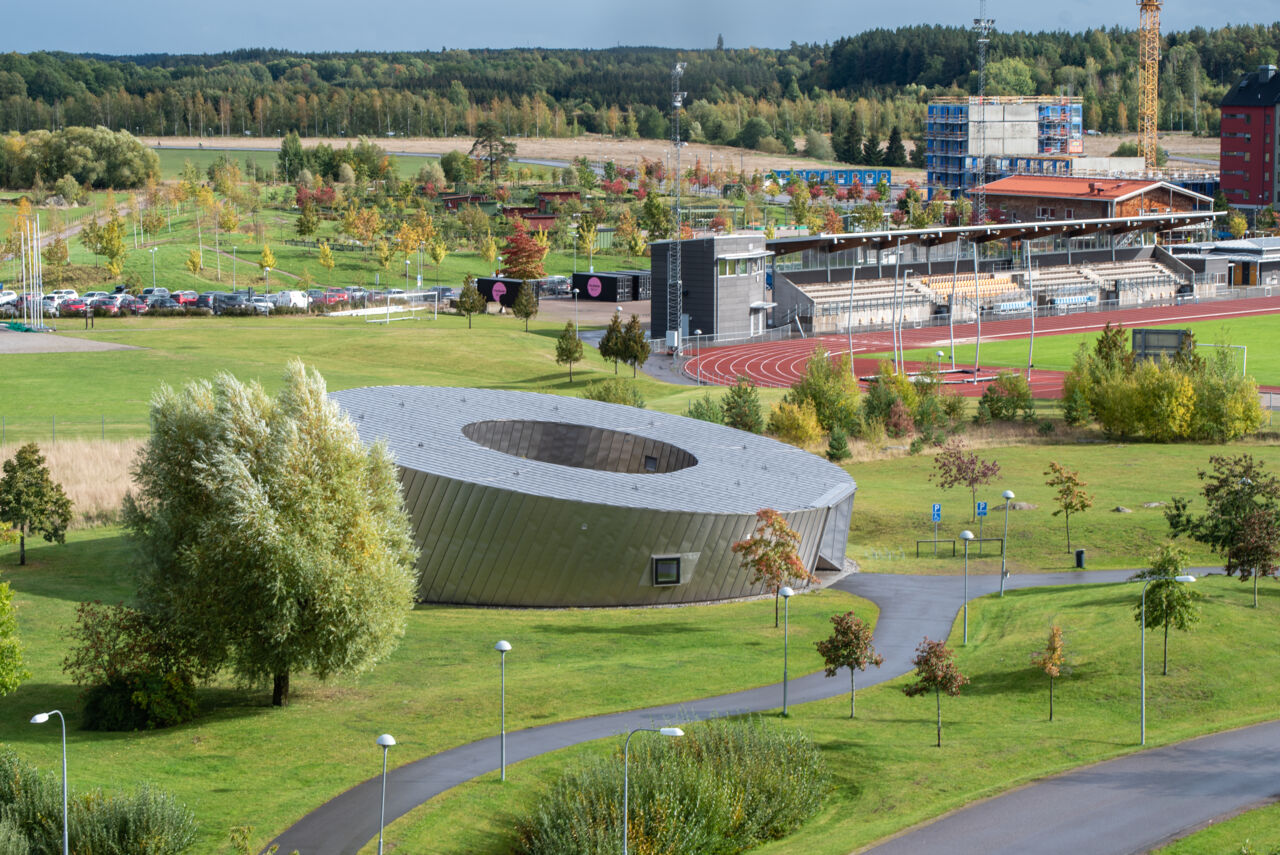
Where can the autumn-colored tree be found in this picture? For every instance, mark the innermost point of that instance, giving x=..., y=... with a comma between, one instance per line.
x=522, y=255
x=954, y=467
x=489, y=250
x=1169, y=603
x=849, y=646
x=267, y=259
x=56, y=255
x=1071, y=496
x=1050, y=661
x=326, y=256
x=437, y=251
x=568, y=348
x=31, y=501
x=470, y=301
x=936, y=672
x=193, y=261
x=383, y=253
x=771, y=555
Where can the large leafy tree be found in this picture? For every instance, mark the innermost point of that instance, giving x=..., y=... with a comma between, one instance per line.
x=492, y=147
x=772, y=555
x=1169, y=603
x=272, y=539
x=936, y=672
x=849, y=646
x=1241, y=521
x=31, y=501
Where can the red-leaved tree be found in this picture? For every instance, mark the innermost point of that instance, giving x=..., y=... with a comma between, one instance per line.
x=954, y=467
x=849, y=646
x=523, y=254
x=936, y=672
x=772, y=555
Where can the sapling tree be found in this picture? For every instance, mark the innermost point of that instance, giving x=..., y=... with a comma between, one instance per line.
x=936, y=672
x=849, y=646
x=613, y=344
x=954, y=467
x=31, y=501
x=568, y=348
x=771, y=555
x=1169, y=603
x=470, y=301
x=526, y=303
x=1071, y=496
x=1050, y=661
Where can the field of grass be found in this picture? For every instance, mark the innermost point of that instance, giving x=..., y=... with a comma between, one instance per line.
x=438, y=690
x=886, y=772
x=1258, y=828
x=895, y=497
x=1056, y=352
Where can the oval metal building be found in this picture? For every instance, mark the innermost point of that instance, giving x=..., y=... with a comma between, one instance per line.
x=523, y=499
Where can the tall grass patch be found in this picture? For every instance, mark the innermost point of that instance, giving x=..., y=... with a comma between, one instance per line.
x=724, y=787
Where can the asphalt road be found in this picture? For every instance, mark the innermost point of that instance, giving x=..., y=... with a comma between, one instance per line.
x=911, y=607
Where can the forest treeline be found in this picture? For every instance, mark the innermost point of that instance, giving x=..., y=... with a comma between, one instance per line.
x=885, y=76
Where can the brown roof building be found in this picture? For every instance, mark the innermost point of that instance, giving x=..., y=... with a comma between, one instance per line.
x=1023, y=198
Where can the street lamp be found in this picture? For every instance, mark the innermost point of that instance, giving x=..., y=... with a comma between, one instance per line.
x=1004, y=544
x=502, y=647
x=939, y=355
x=575, y=312
x=406, y=274
x=787, y=594
x=41, y=718
x=233, y=268
x=697, y=333
x=626, y=781
x=966, y=536
x=386, y=740
x=153, y=266
x=266, y=279
x=1142, y=627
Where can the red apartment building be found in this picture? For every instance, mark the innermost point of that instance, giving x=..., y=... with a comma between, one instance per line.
x=1250, y=112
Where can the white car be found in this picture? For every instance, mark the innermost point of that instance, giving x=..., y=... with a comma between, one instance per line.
x=61, y=294
x=90, y=296
x=7, y=297
x=294, y=299
x=262, y=304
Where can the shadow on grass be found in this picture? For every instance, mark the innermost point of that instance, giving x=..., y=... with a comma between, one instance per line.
x=96, y=564
x=666, y=628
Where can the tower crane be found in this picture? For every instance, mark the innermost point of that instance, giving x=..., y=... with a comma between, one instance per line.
x=1148, y=77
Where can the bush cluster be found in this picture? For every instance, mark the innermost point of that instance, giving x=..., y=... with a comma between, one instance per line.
x=145, y=822
x=615, y=390
x=1006, y=399
x=722, y=788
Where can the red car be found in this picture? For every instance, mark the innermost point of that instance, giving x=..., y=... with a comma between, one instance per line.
x=186, y=298
x=133, y=304
x=72, y=306
x=106, y=304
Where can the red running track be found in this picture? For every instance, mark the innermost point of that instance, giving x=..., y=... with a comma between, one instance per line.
x=781, y=363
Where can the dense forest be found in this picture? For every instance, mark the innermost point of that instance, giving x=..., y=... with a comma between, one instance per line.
x=885, y=76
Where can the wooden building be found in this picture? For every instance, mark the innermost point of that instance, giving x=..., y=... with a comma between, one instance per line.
x=1027, y=198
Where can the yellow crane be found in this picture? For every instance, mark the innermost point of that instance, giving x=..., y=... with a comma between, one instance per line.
x=1148, y=77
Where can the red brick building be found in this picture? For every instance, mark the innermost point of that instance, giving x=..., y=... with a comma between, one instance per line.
x=1026, y=198
x=1250, y=112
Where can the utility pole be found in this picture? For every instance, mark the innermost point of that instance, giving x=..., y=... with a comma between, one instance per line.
x=675, y=285
x=983, y=26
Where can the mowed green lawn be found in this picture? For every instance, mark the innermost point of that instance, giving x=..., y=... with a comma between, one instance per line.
x=888, y=775
x=1258, y=828
x=247, y=763
x=895, y=497
x=1257, y=333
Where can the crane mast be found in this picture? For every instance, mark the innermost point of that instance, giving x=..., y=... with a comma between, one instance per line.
x=1148, y=77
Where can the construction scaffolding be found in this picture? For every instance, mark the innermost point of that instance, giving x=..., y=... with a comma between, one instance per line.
x=1148, y=77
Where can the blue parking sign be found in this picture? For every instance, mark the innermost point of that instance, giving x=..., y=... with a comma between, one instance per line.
x=982, y=509
x=937, y=512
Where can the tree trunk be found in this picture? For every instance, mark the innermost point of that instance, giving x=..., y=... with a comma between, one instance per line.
x=1051, y=699
x=1068, y=516
x=1165, y=672
x=938, y=695
x=1255, y=590
x=853, y=688
x=776, y=594
x=280, y=691
x=22, y=546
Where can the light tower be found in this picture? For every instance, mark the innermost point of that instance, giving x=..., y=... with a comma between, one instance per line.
x=982, y=25
x=1148, y=77
x=674, y=286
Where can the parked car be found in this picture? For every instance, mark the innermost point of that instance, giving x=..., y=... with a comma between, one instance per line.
x=134, y=304
x=223, y=302
x=205, y=300
x=49, y=305
x=72, y=306
x=294, y=299
x=90, y=296
x=163, y=303
x=555, y=285
x=7, y=297
x=108, y=304
x=262, y=304
x=148, y=293
x=61, y=294
x=186, y=298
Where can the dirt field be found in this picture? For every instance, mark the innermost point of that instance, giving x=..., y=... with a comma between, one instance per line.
x=1176, y=143
x=591, y=146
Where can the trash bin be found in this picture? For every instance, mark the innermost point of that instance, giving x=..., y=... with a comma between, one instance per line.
x=1079, y=559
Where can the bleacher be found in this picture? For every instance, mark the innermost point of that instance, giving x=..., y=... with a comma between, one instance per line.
x=873, y=302
x=1132, y=271
x=986, y=287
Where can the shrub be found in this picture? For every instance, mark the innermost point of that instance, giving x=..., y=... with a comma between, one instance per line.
x=831, y=388
x=141, y=701
x=1008, y=397
x=899, y=422
x=1045, y=428
x=615, y=390
x=742, y=407
x=838, y=445
x=722, y=788
x=706, y=409
x=794, y=423
x=953, y=405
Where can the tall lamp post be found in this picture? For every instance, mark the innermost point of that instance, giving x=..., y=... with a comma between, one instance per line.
x=787, y=594
x=233, y=268
x=406, y=274
x=1142, y=627
x=386, y=740
x=939, y=354
x=697, y=333
x=626, y=780
x=153, y=266
x=966, y=536
x=575, y=312
x=266, y=279
x=1004, y=544
x=503, y=647
x=41, y=718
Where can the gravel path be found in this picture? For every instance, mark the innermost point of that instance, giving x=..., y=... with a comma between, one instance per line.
x=27, y=342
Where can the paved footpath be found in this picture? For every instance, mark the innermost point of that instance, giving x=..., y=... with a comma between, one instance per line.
x=1146, y=798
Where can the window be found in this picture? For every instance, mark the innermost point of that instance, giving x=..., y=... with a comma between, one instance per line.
x=1069, y=214
x=666, y=570
x=650, y=463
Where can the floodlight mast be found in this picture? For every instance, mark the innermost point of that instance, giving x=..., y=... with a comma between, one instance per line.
x=675, y=286
x=982, y=25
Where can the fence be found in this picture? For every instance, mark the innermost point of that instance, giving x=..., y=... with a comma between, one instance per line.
x=54, y=428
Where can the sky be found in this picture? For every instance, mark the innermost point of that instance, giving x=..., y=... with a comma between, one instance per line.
x=184, y=26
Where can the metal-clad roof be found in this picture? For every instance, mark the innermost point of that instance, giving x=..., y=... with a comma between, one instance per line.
x=737, y=472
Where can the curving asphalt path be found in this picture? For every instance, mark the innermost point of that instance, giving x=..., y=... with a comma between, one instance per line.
x=911, y=607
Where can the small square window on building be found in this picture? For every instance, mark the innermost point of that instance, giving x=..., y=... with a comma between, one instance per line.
x=666, y=571
x=650, y=463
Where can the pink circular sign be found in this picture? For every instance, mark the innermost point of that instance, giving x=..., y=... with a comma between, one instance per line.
x=593, y=286
x=499, y=290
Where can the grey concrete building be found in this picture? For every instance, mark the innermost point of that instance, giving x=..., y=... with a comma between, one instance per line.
x=724, y=290
x=521, y=499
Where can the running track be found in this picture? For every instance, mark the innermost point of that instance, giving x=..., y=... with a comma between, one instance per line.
x=781, y=363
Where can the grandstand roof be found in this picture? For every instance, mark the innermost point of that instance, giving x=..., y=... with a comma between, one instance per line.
x=1069, y=187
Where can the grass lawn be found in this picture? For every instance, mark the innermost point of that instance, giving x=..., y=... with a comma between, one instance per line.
x=886, y=773
x=246, y=763
x=893, y=508
x=1056, y=352
x=1259, y=828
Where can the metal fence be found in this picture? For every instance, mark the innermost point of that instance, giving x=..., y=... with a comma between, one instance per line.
x=53, y=429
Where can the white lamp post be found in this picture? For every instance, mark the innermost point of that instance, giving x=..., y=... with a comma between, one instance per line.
x=626, y=780
x=695, y=357
x=575, y=312
x=386, y=740
x=939, y=354
x=233, y=268
x=266, y=279
x=502, y=647
x=1004, y=544
x=1142, y=627
x=41, y=718
x=787, y=594
x=406, y=274
x=153, y=266
x=966, y=536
